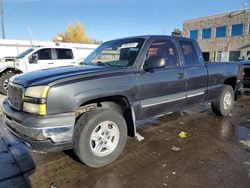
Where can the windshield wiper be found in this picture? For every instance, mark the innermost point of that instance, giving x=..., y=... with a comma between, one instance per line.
x=103, y=63
x=84, y=63
x=100, y=63
x=112, y=65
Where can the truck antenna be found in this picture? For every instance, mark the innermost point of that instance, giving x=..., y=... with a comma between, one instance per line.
x=32, y=36
x=163, y=31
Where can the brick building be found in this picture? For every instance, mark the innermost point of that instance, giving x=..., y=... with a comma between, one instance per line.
x=223, y=37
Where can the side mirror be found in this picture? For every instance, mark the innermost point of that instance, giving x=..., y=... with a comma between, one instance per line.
x=154, y=62
x=33, y=58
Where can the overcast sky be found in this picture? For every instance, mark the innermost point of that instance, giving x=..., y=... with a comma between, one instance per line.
x=106, y=19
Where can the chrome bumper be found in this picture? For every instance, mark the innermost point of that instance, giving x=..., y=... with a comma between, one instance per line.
x=56, y=134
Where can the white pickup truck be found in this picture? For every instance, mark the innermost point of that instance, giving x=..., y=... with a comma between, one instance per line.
x=248, y=57
x=36, y=59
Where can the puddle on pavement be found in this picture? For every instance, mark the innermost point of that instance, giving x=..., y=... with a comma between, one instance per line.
x=229, y=128
x=235, y=131
x=110, y=180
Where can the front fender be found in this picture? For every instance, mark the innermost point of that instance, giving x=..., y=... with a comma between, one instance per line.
x=84, y=97
x=66, y=97
x=63, y=99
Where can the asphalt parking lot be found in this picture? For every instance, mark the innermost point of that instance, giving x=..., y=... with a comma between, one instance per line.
x=216, y=153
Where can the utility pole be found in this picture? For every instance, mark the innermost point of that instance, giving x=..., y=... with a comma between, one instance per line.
x=1, y=4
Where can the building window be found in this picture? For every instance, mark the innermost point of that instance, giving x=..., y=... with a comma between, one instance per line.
x=234, y=55
x=206, y=33
x=237, y=29
x=221, y=31
x=218, y=56
x=206, y=56
x=193, y=34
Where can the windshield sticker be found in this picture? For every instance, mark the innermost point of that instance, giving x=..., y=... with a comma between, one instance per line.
x=130, y=45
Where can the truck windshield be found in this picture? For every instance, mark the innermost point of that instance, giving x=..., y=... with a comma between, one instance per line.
x=120, y=53
x=23, y=54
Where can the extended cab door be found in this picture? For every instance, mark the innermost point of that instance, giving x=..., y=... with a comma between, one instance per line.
x=63, y=57
x=195, y=71
x=41, y=59
x=162, y=90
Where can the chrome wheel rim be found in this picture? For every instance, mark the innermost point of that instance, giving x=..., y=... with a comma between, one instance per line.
x=227, y=102
x=5, y=84
x=104, y=138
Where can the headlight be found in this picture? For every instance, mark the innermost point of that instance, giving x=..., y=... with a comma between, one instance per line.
x=35, y=100
x=37, y=92
x=39, y=109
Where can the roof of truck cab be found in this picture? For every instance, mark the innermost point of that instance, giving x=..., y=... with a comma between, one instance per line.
x=153, y=37
x=58, y=47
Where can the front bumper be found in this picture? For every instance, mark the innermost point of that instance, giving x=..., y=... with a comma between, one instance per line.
x=43, y=133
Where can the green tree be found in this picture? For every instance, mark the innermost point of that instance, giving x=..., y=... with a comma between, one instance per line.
x=177, y=32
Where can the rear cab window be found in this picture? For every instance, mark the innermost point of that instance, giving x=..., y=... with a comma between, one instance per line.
x=189, y=52
x=64, y=54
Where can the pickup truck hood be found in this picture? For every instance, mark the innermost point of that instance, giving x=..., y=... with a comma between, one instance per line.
x=57, y=75
x=246, y=62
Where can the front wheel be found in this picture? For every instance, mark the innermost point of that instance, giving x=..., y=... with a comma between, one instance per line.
x=224, y=104
x=4, y=82
x=100, y=136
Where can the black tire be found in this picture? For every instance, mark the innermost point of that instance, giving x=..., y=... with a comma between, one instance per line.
x=86, y=125
x=218, y=106
x=5, y=77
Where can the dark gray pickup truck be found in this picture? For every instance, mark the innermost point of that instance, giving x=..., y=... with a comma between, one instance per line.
x=94, y=107
x=246, y=79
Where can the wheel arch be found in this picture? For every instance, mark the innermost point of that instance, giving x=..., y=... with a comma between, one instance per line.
x=117, y=103
x=231, y=81
x=8, y=69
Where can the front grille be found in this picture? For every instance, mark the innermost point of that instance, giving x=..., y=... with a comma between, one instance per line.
x=247, y=72
x=15, y=95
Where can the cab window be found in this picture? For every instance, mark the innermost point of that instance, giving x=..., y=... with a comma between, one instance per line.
x=189, y=53
x=64, y=54
x=44, y=54
x=164, y=49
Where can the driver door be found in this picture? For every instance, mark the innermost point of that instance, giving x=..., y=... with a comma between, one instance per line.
x=41, y=59
x=162, y=90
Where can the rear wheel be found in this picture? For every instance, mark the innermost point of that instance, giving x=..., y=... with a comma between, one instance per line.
x=224, y=104
x=99, y=137
x=4, y=82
